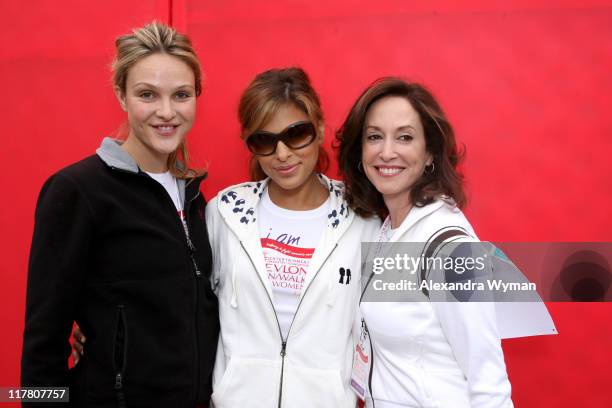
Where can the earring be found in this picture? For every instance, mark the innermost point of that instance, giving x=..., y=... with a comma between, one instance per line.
x=360, y=166
x=430, y=170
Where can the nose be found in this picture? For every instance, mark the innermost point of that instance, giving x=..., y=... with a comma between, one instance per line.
x=282, y=151
x=387, y=151
x=165, y=109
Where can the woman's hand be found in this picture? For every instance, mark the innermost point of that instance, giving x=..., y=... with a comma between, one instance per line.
x=78, y=344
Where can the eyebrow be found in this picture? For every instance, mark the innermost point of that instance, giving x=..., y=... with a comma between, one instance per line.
x=405, y=127
x=154, y=86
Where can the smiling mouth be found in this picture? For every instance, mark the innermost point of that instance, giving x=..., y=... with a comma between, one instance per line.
x=286, y=169
x=165, y=130
x=388, y=171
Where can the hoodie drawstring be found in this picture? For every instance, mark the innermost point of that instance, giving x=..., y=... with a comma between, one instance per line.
x=234, y=299
x=332, y=284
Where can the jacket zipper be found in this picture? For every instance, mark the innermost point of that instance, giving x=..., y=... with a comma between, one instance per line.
x=198, y=274
x=371, y=368
x=119, y=376
x=283, y=351
x=370, y=340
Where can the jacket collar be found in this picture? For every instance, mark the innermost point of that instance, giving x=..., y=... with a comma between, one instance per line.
x=238, y=205
x=111, y=153
x=115, y=157
x=415, y=215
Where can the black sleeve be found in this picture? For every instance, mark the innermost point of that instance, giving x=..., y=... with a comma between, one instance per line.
x=58, y=263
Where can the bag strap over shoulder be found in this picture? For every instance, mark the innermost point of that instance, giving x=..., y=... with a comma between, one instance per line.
x=435, y=242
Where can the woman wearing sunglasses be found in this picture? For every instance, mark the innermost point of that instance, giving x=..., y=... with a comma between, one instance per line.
x=285, y=259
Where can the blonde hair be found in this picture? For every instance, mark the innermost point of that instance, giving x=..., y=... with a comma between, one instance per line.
x=155, y=38
x=266, y=94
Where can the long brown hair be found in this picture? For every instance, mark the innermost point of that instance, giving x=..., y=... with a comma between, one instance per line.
x=266, y=94
x=445, y=180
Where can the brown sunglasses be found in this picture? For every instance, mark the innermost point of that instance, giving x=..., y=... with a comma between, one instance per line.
x=295, y=136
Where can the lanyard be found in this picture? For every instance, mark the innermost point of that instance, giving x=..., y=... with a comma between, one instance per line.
x=381, y=239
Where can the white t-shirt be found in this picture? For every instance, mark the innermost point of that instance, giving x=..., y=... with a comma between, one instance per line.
x=288, y=240
x=169, y=182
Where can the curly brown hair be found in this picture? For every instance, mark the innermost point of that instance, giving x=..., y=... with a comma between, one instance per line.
x=440, y=141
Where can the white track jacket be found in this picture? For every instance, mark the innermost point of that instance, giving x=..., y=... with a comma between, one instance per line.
x=255, y=366
x=435, y=354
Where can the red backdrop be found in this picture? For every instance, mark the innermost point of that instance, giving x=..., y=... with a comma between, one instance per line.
x=527, y=85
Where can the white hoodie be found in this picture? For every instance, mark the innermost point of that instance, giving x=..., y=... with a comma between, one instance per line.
x=255, y=366
x=435, y=354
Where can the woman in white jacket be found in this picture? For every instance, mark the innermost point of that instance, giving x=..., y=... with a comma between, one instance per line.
x=286, y=262
x=399, y=157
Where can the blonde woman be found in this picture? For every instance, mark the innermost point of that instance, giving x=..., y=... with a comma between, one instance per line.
x=120, y=247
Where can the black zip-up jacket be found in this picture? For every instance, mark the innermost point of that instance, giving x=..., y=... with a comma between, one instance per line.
x=110, y=252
